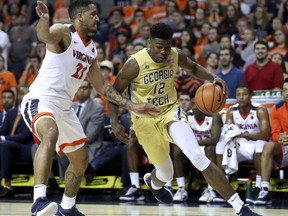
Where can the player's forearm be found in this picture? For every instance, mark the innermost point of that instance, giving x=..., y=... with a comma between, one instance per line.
x=115, y=97
x=114, y=112
x=42, y=29
x=202, y=72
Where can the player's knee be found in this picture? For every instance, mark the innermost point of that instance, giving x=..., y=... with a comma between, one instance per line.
x=268, y=148
x=176, y=153
x=200, y=161
x=210, y=150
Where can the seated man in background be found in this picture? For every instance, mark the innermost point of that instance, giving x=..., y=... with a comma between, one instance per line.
x=207, y=129
x=16, y=142
x=253, y=122
x=91, y=116
x=275, y=153
x=8, y=101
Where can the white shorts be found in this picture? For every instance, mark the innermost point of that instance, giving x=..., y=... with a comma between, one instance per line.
x=71, y=135
x=246, y=150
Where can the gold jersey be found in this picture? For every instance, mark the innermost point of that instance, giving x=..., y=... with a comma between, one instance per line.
x=155, y=81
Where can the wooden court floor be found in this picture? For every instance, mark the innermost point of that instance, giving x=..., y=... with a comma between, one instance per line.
x=21, y=209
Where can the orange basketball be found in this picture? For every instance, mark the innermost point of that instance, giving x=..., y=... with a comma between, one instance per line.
x=209, y=98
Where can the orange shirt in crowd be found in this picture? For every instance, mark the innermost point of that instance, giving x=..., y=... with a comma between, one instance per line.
x=279, y=119
x=29, y=80
x=181, y=4
x=7, y=81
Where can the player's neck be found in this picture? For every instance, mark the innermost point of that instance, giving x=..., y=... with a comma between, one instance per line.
x=245, y=110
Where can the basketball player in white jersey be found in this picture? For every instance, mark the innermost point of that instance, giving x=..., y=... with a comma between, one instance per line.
x=253, y=121
x=150, y=76
x=70, y=57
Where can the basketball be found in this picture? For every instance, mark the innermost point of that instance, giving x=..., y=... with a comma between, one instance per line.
x=209, y=98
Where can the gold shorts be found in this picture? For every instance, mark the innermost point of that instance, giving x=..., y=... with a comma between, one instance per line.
x=152, y=133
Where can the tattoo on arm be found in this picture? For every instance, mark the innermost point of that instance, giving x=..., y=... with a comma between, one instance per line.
x=111, y=94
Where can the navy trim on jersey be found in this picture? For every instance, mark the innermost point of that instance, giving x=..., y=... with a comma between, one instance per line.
x=280, y=104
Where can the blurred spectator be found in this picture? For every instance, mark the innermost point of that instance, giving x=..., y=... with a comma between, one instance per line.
x=40, y=50
x=11, y=11
x=213, y=45
x=241, y=7
x=130, y=15
x=4, y=47
x=263, y=74
x=261, y=23
x=215, y=13
x=138, y=47
x=23, y=40
x=8, y=101
x=280, y=42
x=191, y=9
x=170, y=9
x=7, y=80
x=101, y=54
x=198, y=24
x=283, y=12
x=278, y=58
x=237, y=39
x=31, y=71
x=228, y=72
x=225, y=42
x=138, y=23
x=61, y=14
x=250, y=40
x=122, y=40
x=269, y=6
x=16, y=142
x=187, y=39
x=115, y=21
x=144, y=35
x=129, y=50
x=212, y=62
x=158, y=12
x=228, y=24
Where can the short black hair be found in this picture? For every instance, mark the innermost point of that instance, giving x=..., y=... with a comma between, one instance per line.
x=8, y=91
x=78, y=6
x=285, y=81
x=229, y=49
x=263, y=42
x=161, y=31
x=247, y=87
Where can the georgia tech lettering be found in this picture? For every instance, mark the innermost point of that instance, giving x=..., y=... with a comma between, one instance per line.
x=158, y=86
x=158, y=75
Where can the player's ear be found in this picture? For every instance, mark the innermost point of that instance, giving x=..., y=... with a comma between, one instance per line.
x=148, y=42
x=80, y=17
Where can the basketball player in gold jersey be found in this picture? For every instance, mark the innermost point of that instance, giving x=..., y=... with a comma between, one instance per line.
x=149, y=74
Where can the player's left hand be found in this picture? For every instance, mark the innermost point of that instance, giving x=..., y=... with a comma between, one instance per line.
x=221, y=82
x=145, y=109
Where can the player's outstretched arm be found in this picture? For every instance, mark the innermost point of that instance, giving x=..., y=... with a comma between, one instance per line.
x=114, y=94
x=200, y=72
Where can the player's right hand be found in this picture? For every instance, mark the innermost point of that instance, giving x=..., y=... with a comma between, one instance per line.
x=42, y=10
x=146, y=109
x=119, y=132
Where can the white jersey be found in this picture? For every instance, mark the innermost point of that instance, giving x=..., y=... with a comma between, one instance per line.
x=202, y=130
x=61, y=74
x=247, y=124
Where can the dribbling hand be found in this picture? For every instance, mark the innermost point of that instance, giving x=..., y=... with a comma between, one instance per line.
x=42, y=10
x=221, y=82
x=119, y=132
